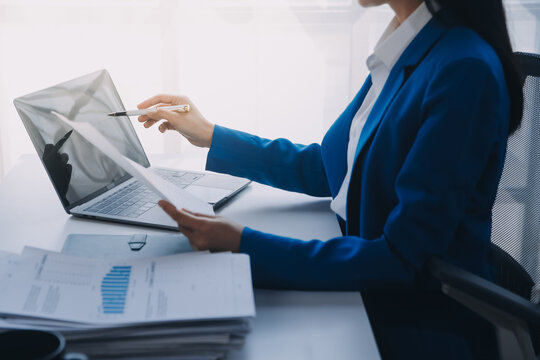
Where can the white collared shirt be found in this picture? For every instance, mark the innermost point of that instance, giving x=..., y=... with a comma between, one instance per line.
x=393, y=42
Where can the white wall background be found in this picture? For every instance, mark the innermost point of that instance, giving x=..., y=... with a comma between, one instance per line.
x=278, y=68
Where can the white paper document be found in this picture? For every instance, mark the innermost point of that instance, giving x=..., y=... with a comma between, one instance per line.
x=182, y=287
x=168, y=191
x=8, y=265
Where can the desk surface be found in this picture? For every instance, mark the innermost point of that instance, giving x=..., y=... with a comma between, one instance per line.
x=289, y=324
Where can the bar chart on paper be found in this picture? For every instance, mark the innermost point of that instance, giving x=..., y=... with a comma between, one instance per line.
x=114, y=288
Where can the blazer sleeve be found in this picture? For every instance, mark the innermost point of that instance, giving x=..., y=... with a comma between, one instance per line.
x=345, y=263
x=278, y=163
x=463, y=113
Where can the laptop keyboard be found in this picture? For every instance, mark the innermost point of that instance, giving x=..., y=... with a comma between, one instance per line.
x=136, y=199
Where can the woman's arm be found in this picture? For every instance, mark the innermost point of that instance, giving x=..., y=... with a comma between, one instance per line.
x=345, y=263
x=278, y=163
x=342, y=263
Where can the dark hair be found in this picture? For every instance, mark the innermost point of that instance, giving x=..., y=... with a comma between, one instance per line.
x=488, y=19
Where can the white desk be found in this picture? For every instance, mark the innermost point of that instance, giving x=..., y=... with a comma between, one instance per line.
x=289, y=324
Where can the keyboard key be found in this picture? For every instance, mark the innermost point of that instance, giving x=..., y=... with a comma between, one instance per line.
x=135, y=199
x=124, y=213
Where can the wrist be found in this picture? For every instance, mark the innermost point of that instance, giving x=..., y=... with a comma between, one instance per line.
x=237, y=240
x=210, y=135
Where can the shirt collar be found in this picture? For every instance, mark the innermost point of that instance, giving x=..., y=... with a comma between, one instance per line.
x=398, y=36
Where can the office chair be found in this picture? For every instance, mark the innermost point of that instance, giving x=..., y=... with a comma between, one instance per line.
x=512, y=305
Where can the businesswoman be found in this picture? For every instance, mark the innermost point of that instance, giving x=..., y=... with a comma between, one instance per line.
x=412, y=166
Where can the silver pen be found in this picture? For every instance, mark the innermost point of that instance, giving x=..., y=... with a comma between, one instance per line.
x=175, y=108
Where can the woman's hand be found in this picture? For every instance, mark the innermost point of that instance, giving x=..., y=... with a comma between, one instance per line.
x=214, y=233
x=192, y=125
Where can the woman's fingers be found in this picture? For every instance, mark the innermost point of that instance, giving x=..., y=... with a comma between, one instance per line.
x=169, y=208
x=191, y=221
x=206, y=232
x=159, y=99
x=159, y=114
x=188, y=225
x=192, y=124
x=149, y=123
x=182, y=217
x=198, y=214
x=163, y=114
x=165, y=126
x=143, y=118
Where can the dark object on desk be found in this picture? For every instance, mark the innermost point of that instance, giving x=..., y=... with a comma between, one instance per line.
x=58, y=167
x=35, y=345
x=118, y=246
x=513, y=305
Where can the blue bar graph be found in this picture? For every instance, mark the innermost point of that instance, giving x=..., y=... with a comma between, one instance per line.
x=114, y=287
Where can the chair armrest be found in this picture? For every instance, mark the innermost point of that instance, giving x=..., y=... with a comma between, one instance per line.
x=484, y=290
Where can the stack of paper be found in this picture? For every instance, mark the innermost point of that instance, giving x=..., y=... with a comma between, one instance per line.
x=185, y=306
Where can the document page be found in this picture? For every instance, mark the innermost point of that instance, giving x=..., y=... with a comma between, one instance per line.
x=187, y=286
x=8, y=264
x=168, y=191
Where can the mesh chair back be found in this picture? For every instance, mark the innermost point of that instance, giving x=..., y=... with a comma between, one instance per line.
x=516, y=213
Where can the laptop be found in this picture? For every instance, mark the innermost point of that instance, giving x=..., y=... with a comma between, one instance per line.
x=88, y=183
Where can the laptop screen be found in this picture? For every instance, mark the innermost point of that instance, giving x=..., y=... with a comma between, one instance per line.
x=78, y=170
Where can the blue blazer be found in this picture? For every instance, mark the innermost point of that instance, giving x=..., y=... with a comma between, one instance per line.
x=425, y=177
x=424, y=180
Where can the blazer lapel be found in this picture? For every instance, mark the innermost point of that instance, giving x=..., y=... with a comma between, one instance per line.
x=407, y=63
x=411, y=57
x=360, y=96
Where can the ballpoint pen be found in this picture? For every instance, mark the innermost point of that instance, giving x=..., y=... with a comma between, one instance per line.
x=175, y=108
x=61, y=142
